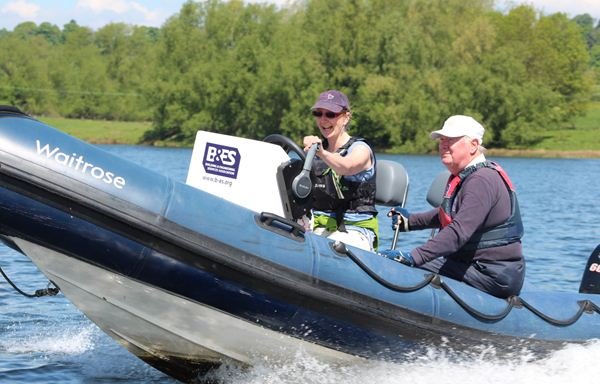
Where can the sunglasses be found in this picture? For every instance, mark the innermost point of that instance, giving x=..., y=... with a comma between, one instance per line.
x=328, y=114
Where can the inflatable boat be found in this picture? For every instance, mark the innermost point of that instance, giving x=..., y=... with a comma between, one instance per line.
x=221, y=270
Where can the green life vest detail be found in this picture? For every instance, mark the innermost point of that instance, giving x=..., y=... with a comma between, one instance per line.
x=330, y=224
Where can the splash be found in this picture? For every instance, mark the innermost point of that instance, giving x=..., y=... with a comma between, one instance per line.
x=570, y=364
x=70, y=341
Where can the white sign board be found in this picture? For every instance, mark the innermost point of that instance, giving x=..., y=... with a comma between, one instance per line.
x=239, y=170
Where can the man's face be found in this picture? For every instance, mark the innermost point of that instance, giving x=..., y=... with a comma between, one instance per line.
x=457, y=152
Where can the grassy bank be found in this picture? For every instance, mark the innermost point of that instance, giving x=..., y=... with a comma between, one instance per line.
x=100, y=131
x=582, y=139
x=583, y=135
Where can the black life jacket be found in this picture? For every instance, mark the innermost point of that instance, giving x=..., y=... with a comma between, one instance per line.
x=505, y=233
x=345, y=195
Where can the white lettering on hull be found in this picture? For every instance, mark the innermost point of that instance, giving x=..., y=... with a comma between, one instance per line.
x=78, y=163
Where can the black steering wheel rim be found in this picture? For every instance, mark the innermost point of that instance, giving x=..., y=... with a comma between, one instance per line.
x=287, y=144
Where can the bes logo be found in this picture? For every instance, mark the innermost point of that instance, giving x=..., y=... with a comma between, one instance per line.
x=221, y=160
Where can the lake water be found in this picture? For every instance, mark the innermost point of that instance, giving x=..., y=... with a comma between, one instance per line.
x=47, y=340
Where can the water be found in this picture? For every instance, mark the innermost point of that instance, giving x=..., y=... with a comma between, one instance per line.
x=48, y=340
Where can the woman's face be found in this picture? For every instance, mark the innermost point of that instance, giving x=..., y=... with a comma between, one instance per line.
x=330, y=123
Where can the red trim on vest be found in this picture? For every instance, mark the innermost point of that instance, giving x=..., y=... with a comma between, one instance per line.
x=452, y=188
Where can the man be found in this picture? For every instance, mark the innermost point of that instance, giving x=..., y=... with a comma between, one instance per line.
x=479, y=241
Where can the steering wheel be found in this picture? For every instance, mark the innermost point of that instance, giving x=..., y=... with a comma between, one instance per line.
x=287, y=144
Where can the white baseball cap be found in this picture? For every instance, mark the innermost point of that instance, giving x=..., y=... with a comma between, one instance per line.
x=458, y=126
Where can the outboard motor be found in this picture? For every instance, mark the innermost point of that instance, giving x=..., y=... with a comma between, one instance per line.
x=590, y=282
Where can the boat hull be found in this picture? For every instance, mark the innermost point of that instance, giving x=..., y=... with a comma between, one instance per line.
x=182, y=337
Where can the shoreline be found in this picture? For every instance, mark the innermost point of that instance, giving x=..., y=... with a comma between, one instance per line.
x=531, y=153
x=498, y=152
x=544, y=153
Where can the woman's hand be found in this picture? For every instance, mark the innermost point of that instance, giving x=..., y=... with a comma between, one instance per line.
x=310, y=140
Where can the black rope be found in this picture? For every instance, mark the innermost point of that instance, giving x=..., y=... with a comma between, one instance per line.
x=585, y=306
x=475, y=313
x=428, y=278
x=38, y=293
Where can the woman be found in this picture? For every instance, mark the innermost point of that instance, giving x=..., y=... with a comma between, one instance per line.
x=344, y=168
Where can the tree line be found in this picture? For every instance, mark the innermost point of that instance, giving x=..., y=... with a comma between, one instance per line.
x=254, y=69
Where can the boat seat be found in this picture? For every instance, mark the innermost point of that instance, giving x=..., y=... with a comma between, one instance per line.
x=392, y=184
x=435, y=194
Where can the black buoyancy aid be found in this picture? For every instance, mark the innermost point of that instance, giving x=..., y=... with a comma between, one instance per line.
x=505, y=233
x=344, y=195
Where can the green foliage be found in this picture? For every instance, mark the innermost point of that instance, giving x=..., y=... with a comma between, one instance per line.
x=23, y=76
x=77, y=72
x=253, y=69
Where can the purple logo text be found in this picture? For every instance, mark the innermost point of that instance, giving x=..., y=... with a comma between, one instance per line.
x=221, y=160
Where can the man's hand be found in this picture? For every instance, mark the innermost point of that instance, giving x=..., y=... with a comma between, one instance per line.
x=399, y=256
x=399, y=218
